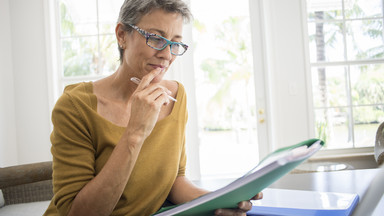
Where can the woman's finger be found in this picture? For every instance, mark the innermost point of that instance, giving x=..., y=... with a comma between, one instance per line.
x=258, y=196
x=230, y=212
x=147, y=79
x=159, y=96
x=245, y=205
x=153, y=93
x=154, y=87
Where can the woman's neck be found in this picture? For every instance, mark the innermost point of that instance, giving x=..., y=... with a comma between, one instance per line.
x=117, y=86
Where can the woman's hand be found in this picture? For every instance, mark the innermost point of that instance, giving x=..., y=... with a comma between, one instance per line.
x=242, y=209
x=146, y=103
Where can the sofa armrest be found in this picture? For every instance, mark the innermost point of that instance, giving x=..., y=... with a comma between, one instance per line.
x=26, y=183
x=24, y=174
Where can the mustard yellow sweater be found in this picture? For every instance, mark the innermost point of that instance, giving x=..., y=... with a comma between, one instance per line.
x=82, y=142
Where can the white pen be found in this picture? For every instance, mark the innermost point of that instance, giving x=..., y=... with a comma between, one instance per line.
x=137, y=81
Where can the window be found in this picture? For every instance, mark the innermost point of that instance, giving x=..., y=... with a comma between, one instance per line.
x=225, y=94
x=346, y=44
x=88, y=48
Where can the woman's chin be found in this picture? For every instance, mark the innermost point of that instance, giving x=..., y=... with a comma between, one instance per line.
x=157, y=79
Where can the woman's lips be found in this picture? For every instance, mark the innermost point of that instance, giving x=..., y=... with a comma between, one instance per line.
x=157, y=66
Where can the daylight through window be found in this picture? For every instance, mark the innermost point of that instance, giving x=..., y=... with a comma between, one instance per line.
x=347, y=68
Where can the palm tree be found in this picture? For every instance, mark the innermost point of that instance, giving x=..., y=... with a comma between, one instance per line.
x=320, y=57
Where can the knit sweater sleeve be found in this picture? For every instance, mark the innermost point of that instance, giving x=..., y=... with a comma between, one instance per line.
x=72, y=151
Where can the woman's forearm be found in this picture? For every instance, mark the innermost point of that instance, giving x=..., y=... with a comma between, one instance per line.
x=101, y=194
x=183, y=190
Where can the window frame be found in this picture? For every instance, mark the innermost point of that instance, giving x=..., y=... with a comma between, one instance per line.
x=337, y=152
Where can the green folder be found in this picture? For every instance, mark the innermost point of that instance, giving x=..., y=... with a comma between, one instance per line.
x=270, y=169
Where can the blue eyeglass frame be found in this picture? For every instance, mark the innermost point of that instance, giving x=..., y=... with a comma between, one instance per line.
x=147, y=35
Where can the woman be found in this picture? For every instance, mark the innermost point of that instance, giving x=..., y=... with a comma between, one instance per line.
x=118, y=145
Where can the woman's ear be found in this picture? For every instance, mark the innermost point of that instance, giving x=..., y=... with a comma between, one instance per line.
x=120, y=35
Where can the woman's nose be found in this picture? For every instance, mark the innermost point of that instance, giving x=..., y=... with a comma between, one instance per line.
x=165, y=53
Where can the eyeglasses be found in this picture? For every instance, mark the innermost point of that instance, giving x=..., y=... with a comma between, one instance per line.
x=158, y=42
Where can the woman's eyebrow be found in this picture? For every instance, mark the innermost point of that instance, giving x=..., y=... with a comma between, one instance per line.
x=162, y=33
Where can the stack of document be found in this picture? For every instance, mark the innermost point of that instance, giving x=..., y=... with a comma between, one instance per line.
x=281, y=202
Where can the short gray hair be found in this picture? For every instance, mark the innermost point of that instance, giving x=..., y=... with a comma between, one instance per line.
x=133, y=10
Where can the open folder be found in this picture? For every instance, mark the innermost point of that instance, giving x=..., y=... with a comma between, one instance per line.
x=271, y=168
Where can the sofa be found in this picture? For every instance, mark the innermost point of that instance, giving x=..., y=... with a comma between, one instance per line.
x=25, y=189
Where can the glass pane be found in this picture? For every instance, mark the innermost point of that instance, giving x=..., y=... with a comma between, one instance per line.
x=109, y=56
x=78, y=55
x=324, y=10
x=326, y=42
x=334, y=87
x=329, y=86
x=332, y=127
x=367, y=120
x=225, y=92
x=363, y=8
x=108, y=14
x=365, y=39
x=78, y=17
x=367, y=84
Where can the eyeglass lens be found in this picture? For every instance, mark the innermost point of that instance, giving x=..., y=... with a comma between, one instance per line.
x=159, y=43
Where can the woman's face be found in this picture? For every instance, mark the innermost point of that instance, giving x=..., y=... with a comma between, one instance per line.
x=139, y=58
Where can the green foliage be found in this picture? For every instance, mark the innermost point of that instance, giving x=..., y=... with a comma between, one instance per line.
x=199, y=26
x=226, y=72
x=215, y=70
x=322, y=131
x=67, y=27
x=370, y=87
x=85, y=55
x=368, y=91
x=336, y=91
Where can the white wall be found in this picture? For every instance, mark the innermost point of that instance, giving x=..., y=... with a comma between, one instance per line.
x=8, y=143
x=24, y=91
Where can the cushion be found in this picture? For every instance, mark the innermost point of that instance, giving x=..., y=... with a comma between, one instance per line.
x=1, y=199
x=30, y=209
